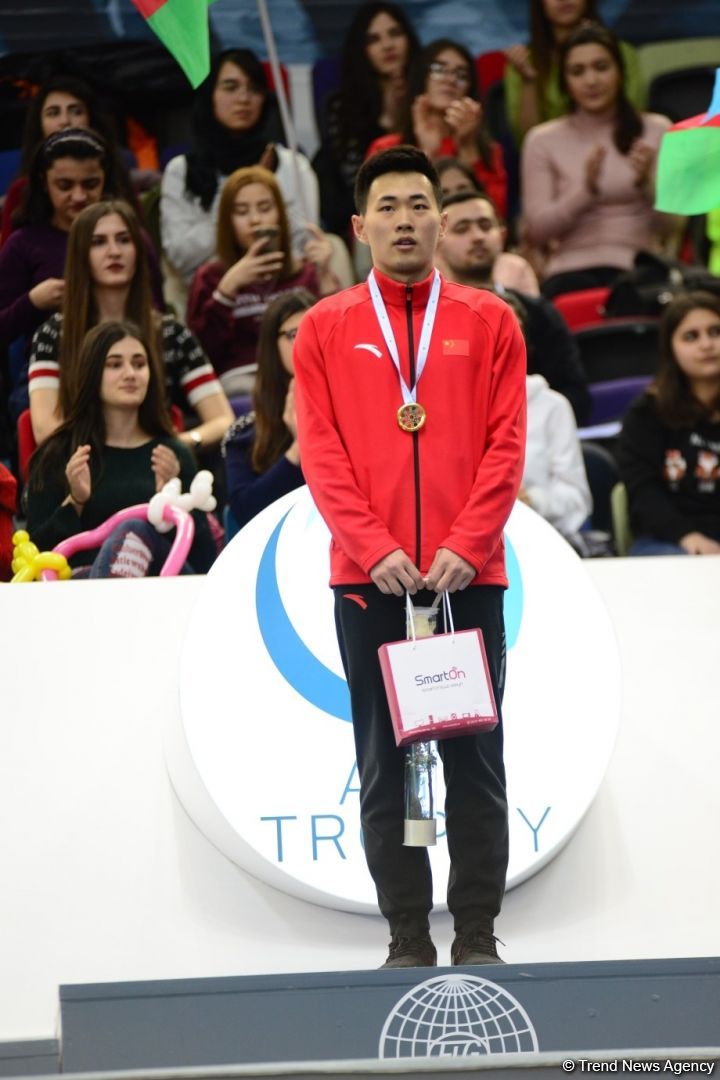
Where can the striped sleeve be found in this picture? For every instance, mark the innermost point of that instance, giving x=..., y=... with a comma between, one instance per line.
x=44, y=369
x=188, y=369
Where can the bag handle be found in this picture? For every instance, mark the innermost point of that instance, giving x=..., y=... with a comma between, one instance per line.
x=447, y=614
x=410, y=611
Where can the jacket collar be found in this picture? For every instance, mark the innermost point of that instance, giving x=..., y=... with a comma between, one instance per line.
x=395, y=292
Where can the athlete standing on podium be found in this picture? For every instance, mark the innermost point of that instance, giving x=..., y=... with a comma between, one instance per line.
x=410, y=396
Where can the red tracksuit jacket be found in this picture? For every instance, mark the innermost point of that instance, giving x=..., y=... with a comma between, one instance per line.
x=453, y=483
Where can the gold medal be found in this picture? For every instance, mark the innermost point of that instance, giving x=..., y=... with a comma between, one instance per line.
x=411, y=417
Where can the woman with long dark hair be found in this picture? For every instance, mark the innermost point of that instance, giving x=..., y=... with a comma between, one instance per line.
x=669, y=452
x=378, y=46
x=70, y=171
x=63, y=101
x=589, y=177
x=443, y=116
x=533, y=91
x=262, y=459
x=107, y=278
x=235, y=124
x=115, y=449
x=254, y=263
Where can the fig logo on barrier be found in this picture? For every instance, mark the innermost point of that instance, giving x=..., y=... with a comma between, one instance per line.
x=457, y=1016
x=262, y=754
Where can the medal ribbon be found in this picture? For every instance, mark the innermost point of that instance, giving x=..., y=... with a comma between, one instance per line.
x=409, y=395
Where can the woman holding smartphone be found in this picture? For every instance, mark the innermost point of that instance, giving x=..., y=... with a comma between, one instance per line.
x=253, y=265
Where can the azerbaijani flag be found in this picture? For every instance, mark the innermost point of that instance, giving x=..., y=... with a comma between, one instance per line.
x=182, y=26
x=688, y=169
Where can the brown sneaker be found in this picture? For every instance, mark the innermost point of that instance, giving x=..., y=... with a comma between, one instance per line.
x=474, y=946
x=411, y=952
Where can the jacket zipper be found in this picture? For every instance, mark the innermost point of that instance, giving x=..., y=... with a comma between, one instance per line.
x=415, y=434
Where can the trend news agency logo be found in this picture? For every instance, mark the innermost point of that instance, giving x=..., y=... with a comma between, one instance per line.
x=299, y=666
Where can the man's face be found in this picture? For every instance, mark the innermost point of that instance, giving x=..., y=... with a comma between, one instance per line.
x=473, y=239
x=401, y=224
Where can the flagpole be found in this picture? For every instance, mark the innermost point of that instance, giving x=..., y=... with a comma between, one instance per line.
x=285, y=116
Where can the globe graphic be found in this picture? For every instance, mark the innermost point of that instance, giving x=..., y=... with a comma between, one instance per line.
x=457, y=1016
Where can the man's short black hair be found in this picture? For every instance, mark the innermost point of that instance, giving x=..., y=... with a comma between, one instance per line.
x=470, y=196
x=398, y=159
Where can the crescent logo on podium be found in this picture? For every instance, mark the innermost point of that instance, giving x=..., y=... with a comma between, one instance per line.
x=261, y=763
x=300, y=667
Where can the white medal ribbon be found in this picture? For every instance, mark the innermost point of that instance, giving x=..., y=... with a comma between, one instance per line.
x=409, y=395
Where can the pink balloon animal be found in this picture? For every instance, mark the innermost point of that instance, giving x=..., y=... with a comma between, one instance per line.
x=166, y=509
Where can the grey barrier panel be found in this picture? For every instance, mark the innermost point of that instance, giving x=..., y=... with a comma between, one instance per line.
x=32, y=1057
x=402, y=1013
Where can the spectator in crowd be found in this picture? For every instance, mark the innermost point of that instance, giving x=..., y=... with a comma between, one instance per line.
x=669, y=452
x=63, y=101
x=70, y=170
x=471, y=253
x=589, y=178
x=115, y=449
x=379, y=43
x=8, y=508
x=477, y=238
x=456, y=178
x=262, y=459
x=443, y=116
x=107, y=278
x=235, y=124
x=554, y=482
x=253, y=265
x=534, y=91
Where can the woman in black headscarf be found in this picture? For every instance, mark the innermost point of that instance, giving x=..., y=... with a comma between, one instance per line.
x=235, y=124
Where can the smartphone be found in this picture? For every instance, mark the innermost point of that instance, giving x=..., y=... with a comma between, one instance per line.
x=271, y=235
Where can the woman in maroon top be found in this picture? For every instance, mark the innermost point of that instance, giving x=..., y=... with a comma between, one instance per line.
x=443, y=117
x=254, y=264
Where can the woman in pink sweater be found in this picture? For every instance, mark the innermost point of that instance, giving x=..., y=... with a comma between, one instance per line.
x=589, y=177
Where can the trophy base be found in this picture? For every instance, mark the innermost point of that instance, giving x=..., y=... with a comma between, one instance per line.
x=420, y=833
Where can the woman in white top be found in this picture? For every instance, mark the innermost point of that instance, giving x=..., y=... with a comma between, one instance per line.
x=554, y=479
x=235, y=124
x=554, y=482
x=589, y=177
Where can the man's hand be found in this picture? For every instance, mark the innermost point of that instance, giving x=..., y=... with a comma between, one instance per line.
x=449, y=572
x=397, y=573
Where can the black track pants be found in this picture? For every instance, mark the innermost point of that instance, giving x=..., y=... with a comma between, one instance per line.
x=476, y=803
